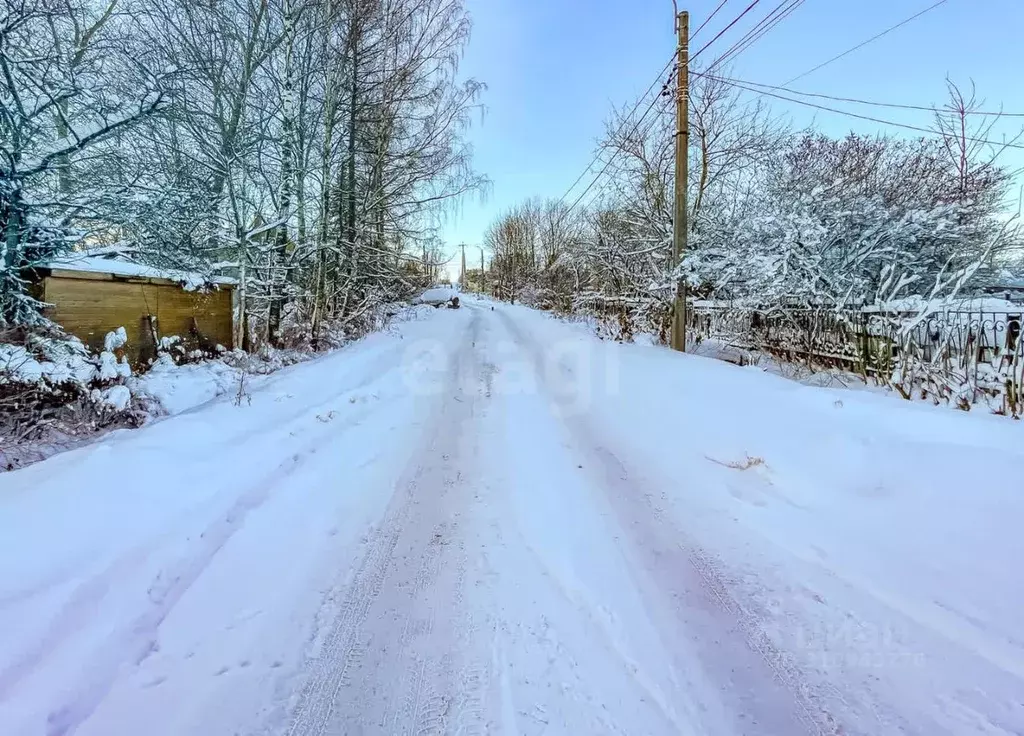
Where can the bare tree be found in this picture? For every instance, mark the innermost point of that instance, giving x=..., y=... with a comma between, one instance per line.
x=510, y=240
x=55, y=107
x=730, y=136
x=307, y=146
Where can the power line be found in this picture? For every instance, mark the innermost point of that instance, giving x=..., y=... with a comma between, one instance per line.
x=606, y=185
x=865, y=43
x=917, y=128
x=721, y=32
x=631, y=113
x=770, y=21
x=760, y=29
x=624, y=123
x=611, y=158
x=654, y=101
x=578, y=180
x=760, y=26
x=755, y=34
x=763, y=27
x=709, y=18
x=770, y=24
x=857, y=101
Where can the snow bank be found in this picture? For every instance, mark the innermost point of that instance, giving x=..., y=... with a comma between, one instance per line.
x=180, y=388
x=161, y=580
x=62, y=367
x=414, y=313
x=56, y=394
x=869, y=545
x=64, y=360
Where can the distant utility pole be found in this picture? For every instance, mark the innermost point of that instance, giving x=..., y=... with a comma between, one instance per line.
x=680, y=219
x=483, y=277
x=462, y=278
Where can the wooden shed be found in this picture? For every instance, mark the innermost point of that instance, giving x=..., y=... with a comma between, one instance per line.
x=90, y=296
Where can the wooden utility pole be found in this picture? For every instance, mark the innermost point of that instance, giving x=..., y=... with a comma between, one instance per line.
x=483, y=277
x=680, y=220
x=462, y=278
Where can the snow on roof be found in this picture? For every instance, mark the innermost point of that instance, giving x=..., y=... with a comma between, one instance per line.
x=1007, y=278
x=95, y=264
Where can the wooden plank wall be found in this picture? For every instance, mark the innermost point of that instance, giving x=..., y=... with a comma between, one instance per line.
x=89, y=308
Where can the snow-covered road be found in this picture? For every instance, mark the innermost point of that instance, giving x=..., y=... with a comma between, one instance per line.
x=485, y=521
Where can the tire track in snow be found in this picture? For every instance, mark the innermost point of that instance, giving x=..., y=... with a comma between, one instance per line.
x=133, y=645
x=140, y=641
x=394, y=649
x=340, y=650
x=81, y=603
x=680, y=579
x=214, y=453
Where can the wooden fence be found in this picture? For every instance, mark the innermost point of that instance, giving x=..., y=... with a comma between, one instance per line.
x=955, y=350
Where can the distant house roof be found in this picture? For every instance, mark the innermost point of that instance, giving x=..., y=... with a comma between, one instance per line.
x=1007, y=279
x=190, y=281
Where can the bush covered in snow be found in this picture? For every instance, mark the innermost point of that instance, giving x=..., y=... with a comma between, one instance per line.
x=301, y=332
x=796, y=226
x=183, y=352
x=52, y=387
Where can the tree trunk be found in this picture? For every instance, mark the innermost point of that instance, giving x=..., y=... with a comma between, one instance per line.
x=280, y=254
x=350, y=178
x=241, y=325
x=702, y=183
x=10, y=257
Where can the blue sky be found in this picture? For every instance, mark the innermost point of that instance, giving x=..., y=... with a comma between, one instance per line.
x=554, y=68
